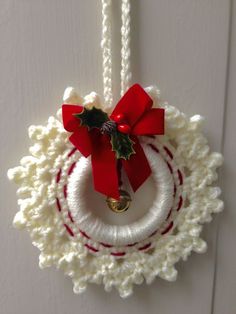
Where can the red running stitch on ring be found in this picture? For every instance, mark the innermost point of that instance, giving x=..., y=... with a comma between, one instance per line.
x=72, y=152
x=65, y=190
x=91, y=248
x=180, y=177
x=58, y=176
x=152, y=234
x=169, y=227
x=154, y=148
x=169, y=153
x=69, y=230
x=84, y=234
x=168, y=216
x=175, y=189
x=58, y=204
x=145, y=247
x=105, y=244
x=170, y=168
x=118, y=253
x=132, y=244
x=70, y=217
x=71, y=168
x=180, y=203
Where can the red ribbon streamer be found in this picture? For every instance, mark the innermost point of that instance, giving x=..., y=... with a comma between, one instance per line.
x=136, y=107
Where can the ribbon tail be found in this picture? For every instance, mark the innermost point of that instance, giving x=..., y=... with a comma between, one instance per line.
x=137, y=167
x=70, y=122
x=104, y=166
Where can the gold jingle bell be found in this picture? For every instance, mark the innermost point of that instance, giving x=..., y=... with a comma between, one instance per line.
x=121, y=205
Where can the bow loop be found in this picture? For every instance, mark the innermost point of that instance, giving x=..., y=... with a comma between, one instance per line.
x=152, y=122
x=133, y=105
x=71, y=124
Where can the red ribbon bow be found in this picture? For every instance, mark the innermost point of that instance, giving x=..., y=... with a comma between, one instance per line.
x=135, y=108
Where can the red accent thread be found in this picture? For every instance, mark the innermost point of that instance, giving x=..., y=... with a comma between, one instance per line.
x=69, y=215
x=84, y=234
x=132, y=244
x=169, y=166
x=71, y=168
x=58, y=204
x=72, y=152
x=168, y=228
x=169, y=153
x=145, y=246
x=105, y=244
x=65, y=190
x=152, y=234
x=180, y=177
x=175, y=190
x=180, y=203
x=168, y=216
x=91, y=248
x=118, y=253
x=69, y=230
x=58, y=176
x=154, y=148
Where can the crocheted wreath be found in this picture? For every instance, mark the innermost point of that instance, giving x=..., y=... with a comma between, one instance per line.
x=54, y=192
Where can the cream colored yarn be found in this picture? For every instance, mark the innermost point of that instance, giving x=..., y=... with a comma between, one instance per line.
x=38, y=214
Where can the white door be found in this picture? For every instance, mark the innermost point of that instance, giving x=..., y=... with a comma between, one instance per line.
x=187, y=48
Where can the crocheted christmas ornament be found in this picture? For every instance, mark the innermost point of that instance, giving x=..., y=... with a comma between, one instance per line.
x=55, y=187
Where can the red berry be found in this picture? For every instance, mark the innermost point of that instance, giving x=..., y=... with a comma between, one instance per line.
x=119, y=118
x=124, y=128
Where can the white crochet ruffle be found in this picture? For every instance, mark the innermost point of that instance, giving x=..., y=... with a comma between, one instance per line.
x=38, y=196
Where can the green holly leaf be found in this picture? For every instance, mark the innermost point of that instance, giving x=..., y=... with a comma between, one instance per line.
x=92, y=118
x=122, y=145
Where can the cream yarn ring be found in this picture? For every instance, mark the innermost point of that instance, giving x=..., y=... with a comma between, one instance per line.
x=131, y=233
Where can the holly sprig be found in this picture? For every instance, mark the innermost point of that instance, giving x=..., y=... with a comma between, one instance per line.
x=92, y=118
x=121, y=143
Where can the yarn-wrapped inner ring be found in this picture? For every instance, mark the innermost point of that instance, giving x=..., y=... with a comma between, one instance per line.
x=120, y=235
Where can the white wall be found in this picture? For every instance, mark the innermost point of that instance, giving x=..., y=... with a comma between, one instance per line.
x=184, y=47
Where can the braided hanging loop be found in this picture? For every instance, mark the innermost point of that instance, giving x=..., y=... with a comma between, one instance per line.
x=106, y=52
x=125, y=73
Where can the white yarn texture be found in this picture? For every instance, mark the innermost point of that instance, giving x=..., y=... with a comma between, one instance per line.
x=39, y=192
x=106, y=45
x=129, y=233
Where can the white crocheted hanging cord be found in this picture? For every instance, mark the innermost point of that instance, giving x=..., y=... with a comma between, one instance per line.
x=125, y=73
x=106, y=45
